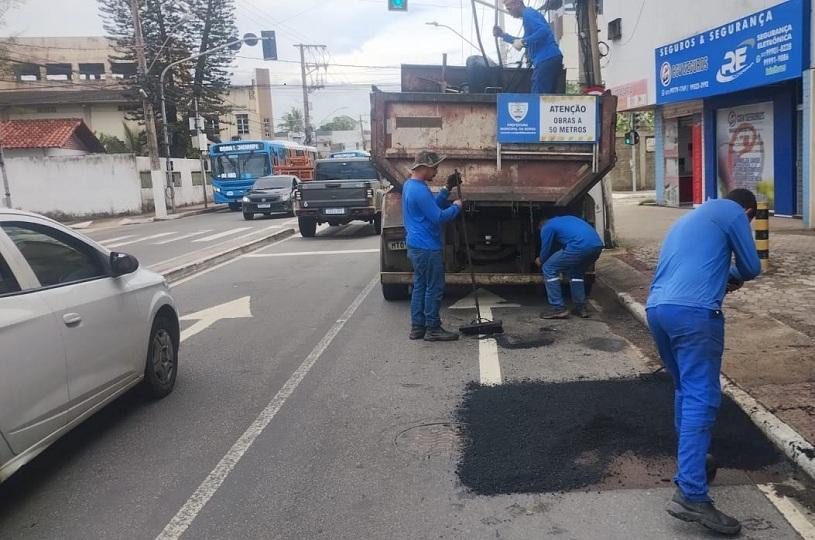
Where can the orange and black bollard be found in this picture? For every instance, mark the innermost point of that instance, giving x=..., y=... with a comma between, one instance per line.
x=762, y=227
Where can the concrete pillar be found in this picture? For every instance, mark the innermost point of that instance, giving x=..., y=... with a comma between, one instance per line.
x=159, y=200
x=808, y=202
x=659, y=156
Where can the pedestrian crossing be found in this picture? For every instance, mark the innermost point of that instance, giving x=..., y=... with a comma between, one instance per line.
x=169, y=237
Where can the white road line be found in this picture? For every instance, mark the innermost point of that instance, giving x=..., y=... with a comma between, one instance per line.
x=489, y=366
x=790, y=511
x=216, y=236
x=187, y=514
x=116, y=239
x=296, y=253
x=142, y=239
x=218, y=266
x=182, y=237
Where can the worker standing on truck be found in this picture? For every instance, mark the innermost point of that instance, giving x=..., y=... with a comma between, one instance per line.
x=684, y=313
x=541, y=46
x=580, y=247
x=424, y=216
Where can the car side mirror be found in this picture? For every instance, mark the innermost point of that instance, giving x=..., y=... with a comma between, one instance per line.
x=122, y=264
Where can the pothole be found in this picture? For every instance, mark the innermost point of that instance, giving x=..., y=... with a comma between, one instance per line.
x=514, y=341
x=429, y=439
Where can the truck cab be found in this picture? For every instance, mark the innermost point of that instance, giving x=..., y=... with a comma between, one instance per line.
x=343, y=190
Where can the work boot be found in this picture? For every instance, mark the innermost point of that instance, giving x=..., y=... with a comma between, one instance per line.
x=417, y=332
x=440, y=334
x=555, y=312
x=703, y=513
x=580, y=311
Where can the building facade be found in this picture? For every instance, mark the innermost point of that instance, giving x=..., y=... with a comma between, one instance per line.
x=726, y=82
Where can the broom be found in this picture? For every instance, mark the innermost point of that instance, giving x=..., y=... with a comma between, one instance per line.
x=479, y=325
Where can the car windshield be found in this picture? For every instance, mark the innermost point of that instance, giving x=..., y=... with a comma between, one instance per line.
x=273, y=182
x=346, y=170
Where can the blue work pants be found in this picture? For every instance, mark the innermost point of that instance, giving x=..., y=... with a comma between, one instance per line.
x=546, y=75
x=691, y=342
x=573, y=263
x=428, y=287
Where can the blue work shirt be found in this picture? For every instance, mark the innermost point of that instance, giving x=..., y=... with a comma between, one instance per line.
x=695, y=261
x=424, y=214
x=572, y=233
x=541, y=44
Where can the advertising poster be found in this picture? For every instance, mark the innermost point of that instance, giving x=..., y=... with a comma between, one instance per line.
x=744, y=142
x=671, y=152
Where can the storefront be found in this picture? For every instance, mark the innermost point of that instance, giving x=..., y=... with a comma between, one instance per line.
x=728, y=104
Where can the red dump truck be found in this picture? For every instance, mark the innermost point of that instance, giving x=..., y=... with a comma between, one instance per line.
x=507, y=187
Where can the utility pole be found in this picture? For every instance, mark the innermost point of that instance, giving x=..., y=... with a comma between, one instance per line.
x=199, y=130
x=304, y=73
x=6, y=188
x=159, y=201
x=362, y=132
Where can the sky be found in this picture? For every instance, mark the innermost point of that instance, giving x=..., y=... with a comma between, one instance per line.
x=355, y=33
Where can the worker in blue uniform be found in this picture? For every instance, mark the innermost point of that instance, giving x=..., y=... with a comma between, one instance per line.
x=580, y=247
x=424, y=215
x=540, y=43
x=684, y=309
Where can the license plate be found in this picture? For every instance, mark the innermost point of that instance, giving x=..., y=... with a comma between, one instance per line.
x=264, y=206
x=334, y=211
x=398, y=245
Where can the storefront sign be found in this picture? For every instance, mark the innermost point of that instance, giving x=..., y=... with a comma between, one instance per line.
x=758, y=49
x=531, y=118
x=744, y=141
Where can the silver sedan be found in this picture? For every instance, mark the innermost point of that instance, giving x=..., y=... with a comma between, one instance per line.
x=79, y=326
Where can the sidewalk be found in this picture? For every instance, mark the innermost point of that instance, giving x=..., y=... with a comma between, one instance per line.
x=109, y=222
x=770, y=336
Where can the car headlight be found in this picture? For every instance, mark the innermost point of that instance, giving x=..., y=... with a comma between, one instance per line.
x=245, y=199
x=285, y=197
x=216, y=189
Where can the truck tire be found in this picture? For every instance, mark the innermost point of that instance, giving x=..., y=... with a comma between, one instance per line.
x=308, y=227
x=395, y=291
x=248, y=216
x=377, y=222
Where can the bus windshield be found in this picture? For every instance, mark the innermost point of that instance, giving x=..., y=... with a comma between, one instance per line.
x=236, y=165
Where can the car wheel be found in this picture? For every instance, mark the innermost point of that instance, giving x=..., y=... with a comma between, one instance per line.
x=248, y=216
x=161, y=368
x=308, y=227
x=377, y=223
x=234, y=206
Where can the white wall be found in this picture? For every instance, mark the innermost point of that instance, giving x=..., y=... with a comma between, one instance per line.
x=75, y=186
x=187, y=193
x=648, y=24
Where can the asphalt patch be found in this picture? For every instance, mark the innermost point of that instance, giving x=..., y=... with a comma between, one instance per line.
x=533, y=437
x=514, y=341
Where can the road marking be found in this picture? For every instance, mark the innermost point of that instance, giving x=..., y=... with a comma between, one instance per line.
x=790, y=511
x=142, y=239
x=295, y=253
x=236, y=309
x=116, y=239
x=187, y=514
x=216, y=236
x=221, y=265
x=489, y=366
x=182, y=237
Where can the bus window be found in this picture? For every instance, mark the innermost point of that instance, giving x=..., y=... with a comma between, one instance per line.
x=299, y=153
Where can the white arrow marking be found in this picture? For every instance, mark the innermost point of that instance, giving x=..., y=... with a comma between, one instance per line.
x=488, y=364
x=236, y=309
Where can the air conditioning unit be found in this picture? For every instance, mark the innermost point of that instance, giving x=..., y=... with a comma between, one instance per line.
x=615, y=29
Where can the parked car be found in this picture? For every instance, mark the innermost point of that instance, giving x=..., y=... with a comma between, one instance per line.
x=79, y=326
x=270, y=195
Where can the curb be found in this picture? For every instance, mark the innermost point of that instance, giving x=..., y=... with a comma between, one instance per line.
x=179, y=272
x=210, y=210
x=789, y=441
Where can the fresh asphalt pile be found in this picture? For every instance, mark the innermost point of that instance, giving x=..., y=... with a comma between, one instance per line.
x=533, y=437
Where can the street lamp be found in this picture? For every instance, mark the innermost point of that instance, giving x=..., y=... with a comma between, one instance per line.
x=249, y=39
x=453, y=30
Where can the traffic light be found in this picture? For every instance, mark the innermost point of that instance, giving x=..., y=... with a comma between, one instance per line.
x=631, y=138
x=269, y=44
x=397, y=5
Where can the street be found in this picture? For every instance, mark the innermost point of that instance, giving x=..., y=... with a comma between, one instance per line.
x=302, y=411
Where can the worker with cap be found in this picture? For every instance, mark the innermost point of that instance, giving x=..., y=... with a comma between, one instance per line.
x=540, y=43
x=580, y=247
x=684, y=312
x=424, y=216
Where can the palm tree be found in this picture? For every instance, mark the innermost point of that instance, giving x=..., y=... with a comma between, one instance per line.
x=292, y=121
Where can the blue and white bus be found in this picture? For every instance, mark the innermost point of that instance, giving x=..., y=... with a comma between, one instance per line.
x=237, y=164
x=346, y=154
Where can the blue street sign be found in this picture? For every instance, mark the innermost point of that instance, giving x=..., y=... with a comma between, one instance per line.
x=518, y=118
x=755, y=50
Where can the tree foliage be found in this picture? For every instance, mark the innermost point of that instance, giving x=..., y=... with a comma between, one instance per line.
x=339, y=123
x=293, y=121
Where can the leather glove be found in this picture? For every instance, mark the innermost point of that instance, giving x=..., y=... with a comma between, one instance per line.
x=497, y=31
x=453, y=180
x=518, y=44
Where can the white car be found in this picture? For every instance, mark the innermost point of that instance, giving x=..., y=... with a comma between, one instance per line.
x=79, y=326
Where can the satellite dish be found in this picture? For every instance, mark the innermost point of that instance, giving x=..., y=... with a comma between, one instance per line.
x=250, y=39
